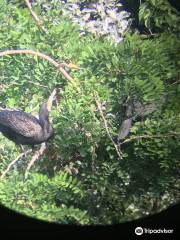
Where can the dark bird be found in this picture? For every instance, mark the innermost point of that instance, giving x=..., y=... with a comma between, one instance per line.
x=25, y=129
x=126, y=124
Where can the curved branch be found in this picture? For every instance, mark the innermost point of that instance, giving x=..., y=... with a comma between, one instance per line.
x=41, y=55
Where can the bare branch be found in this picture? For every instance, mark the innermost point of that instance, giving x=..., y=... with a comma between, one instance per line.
x=37, y=84
x=35, y=17
x=170, y=134
x=178, y=81
x=13, y=162
x=41, y=55
x=35, y=157
x=99, y=106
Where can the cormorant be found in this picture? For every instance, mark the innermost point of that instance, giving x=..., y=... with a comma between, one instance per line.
x=126, y=124
x=25, y=129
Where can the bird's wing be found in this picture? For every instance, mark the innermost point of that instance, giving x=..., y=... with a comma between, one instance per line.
x=20, y=122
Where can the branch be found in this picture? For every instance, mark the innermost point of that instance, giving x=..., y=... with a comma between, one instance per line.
x=99, y=106
x=35, y=157
x=37, y=84
x=34, y=15
x=178, y=81
x=149, y=136
x=13, y=162
x=41, y=55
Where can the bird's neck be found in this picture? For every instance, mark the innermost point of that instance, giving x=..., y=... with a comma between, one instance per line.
x=44, y=124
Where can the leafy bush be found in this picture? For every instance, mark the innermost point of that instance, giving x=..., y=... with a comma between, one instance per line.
x=102, y=18
x=159, y=14
x=43, y=198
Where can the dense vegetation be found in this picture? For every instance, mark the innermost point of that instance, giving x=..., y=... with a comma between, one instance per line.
x=81, y=179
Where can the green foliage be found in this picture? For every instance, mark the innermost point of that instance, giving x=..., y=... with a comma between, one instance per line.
x=159, y=14
x=44, y=198
x=80, y=179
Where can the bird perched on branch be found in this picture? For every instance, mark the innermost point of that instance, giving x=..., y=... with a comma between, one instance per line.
x=25, y=129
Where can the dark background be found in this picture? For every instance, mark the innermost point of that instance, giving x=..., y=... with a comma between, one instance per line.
x=17, y=224
x=133, y=7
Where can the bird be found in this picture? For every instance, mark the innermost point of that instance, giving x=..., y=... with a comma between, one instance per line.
x=125, y=128
x=25, y=129
x=126, y=123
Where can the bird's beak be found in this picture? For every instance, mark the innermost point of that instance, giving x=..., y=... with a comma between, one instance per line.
x=50, y=100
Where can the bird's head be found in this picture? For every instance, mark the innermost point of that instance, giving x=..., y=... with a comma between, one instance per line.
x=46, y=107
x=50, y=100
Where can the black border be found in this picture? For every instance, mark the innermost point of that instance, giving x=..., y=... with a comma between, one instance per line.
x=17, y=224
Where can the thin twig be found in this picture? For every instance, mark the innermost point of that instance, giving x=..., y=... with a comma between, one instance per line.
x=35, y=17
x=178, y=81
x=35, y=157
x=150, y=136
x=41, y=55
x=99, y=106
x=37, y=84
x=3, y=86
x=13, y=162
